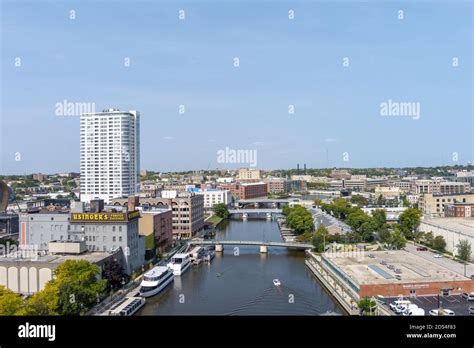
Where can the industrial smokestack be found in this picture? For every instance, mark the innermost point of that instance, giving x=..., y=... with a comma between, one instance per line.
x=305, y=168
x=298, y=169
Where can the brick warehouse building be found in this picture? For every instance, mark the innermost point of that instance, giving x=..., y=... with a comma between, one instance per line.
x=410, y=276
x=242, y=191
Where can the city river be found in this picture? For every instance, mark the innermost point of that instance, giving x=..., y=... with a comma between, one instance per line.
x=239, y=281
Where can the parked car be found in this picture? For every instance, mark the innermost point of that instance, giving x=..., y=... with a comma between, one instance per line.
x=383, y=262
x=398, y=303
x=414, y=311
x=438, y=256
x=422, y=248
x=471, y=310
x=472, y=276
x=438, y=312
x=403, y=308
x=371, y=256
x=398, y=277
x=468, y=296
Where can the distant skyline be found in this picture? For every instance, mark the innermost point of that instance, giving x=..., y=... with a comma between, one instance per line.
x=368, y=88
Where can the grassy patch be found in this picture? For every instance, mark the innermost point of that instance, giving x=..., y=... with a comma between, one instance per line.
x=214, y=219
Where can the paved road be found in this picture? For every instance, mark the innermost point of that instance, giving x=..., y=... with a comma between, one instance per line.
x=444, y=261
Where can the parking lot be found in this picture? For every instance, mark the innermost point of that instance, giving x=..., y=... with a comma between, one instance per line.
x=456, y=303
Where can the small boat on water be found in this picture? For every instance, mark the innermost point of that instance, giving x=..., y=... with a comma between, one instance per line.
x=155, y=280
x=179, y=263
x=276, y=282
x=208, y=255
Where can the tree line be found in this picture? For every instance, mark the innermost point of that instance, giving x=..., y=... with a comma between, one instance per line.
x=76, y=287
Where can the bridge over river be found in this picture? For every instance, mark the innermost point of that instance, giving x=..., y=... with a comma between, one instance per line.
x=219, y=244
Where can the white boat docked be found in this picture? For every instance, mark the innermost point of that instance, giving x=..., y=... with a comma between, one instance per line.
x=127, y=306
x=179, y=263
x=155, y=280
x=276, y=282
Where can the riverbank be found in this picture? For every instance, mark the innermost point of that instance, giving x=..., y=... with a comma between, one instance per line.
x=342, y=290
x=214, y=219
x=239, y=281
x=131, y=288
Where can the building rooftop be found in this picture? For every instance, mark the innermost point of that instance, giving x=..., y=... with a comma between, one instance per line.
x=364, y=270
x=457, y=224
x=450, y=194
x=92, y=257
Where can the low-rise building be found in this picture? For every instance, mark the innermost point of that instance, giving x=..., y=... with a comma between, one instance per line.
x=340, y=174
x=404, y=185
x=187, y=209
x=28, y=274
x=410, y=275
x=459, y=210
x=242, y=191
x=434, y=204
x=213, y=196
x=387, y=192
x=248, y=174
x=275, y=185
x=157, y=227
x=101, y=230
x=465, y=176
x=439, y=186
x=295, y=186
x=40, y=226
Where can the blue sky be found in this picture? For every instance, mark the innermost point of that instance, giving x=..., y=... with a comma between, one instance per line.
x=282, y=62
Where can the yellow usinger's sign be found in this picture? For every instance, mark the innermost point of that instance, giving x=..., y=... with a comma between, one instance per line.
x=104, y=217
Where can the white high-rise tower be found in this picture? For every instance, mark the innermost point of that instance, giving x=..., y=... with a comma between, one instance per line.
x=110, y=154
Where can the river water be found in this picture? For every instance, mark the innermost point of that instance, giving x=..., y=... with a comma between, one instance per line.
x=239, y=281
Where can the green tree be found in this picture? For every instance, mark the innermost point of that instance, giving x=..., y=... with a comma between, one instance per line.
x=361, y=223
x=464, y=250
x=409, y=221
x=405, y=201
x=384, y=235
x=114, y=274
x=320, y=238
x=79, y=286
x=286, y=210
x=366, y=305
x=318, y=202
x=428, y=239
x=221, y=210
x=300, y=220
x=438, y=243
x=420, y=236
x=397, y=239
x=380, y=218
x=10, y=302
x=44, y=302
x=359, y=200
x=380, y=200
